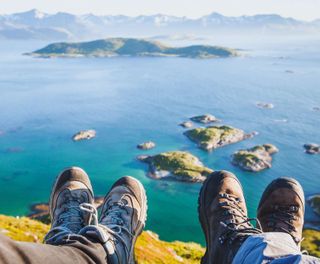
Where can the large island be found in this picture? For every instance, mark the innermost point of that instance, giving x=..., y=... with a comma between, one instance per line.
x=130, y=47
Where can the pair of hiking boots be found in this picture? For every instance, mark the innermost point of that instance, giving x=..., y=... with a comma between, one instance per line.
x=222, y=214
x=122, y=217
x=224, y=218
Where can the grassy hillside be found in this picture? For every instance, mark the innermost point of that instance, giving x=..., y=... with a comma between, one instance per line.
x=149, y=248
x=129, y=47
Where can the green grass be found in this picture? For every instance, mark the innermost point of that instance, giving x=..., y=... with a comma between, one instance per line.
x=149, y=248
x=311, y=242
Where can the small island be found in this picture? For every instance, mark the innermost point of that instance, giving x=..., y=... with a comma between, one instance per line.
x=186, y=124
x=314, y=202
x=316, y=108
x=84, y=135
x=146, y=145
x=212, y=137
x=176, y=165
x=132, y=47
x=264, y=105
x=204, y=119
x=254, y=159
x=312, y=148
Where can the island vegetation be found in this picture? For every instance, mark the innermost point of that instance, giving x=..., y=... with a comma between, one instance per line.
x=130, y=47
x=254, y=159
x=212, y=137
x=177, y=165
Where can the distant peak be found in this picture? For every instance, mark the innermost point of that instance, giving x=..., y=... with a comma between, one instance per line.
x=33, y=13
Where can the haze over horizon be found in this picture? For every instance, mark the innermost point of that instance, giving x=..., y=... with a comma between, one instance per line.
x=306, y=10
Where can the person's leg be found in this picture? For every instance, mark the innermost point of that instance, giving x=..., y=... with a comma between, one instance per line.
x=71, y=191
x=75, y=249
x=223, y=217
x=281, y=214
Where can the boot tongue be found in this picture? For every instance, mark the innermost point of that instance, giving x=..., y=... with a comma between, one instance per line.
x=72, y=215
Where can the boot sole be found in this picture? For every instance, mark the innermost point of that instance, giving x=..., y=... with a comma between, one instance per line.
x=202, y=215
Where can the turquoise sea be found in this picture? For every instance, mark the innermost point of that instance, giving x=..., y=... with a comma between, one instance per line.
x=43, y=102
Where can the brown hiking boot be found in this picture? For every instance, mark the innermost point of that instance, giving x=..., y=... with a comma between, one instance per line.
x=223, y=217
x=123, y=217
x=281, y=208
x=71, y=190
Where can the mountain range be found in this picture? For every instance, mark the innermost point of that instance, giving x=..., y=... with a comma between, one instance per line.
x=35, y=24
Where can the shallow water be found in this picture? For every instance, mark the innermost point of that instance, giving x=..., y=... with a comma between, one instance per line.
x=43, y=102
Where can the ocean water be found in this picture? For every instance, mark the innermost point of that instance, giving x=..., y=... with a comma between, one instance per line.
x=43, y=102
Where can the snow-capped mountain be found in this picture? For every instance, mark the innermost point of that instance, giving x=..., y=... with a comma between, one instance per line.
x=35, y=24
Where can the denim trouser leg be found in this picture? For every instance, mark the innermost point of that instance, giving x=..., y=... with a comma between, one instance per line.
x=273, y=248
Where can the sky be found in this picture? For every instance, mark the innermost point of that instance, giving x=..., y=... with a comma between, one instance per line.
x=300, y=9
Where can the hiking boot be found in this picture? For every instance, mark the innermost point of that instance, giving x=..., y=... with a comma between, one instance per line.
x=223, y=217
x=123, y=217
x=281, y=208
x=71, y=191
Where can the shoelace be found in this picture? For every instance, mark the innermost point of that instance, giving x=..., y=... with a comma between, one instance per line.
x=235, y=229
x=72, y=216
x=284, y=215
x=111, y=222
x=69, y=221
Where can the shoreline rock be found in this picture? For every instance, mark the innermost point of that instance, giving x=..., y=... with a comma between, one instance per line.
x=176, y=165
x=312, y=148
x=84, y=135
x=254, y=159
x=212, y=137
x=146, y=145
x=204, y=119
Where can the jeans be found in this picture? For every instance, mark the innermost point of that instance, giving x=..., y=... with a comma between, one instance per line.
x=273, y=248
